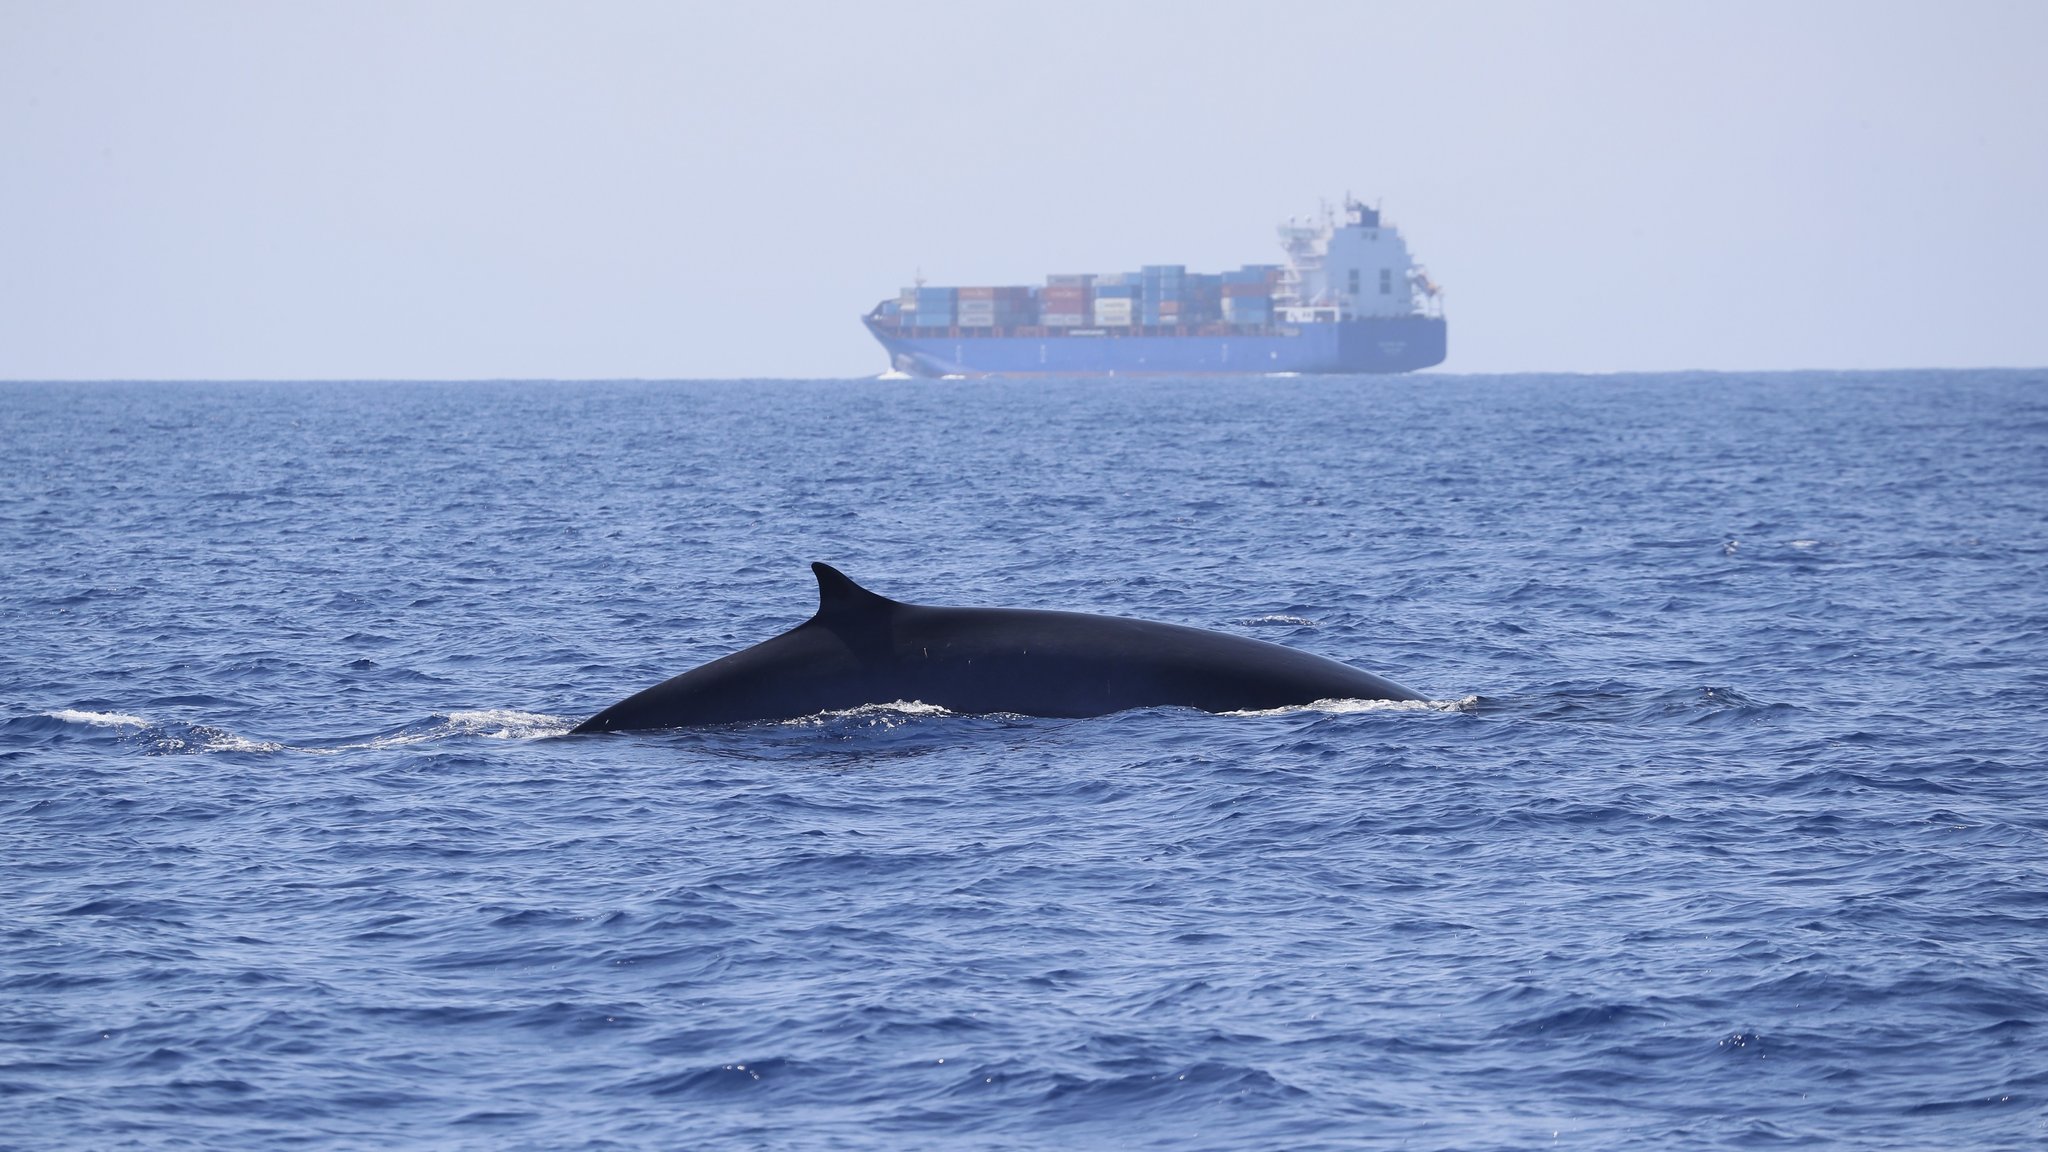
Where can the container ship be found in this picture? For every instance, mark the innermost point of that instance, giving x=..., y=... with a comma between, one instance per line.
x=1347, y=300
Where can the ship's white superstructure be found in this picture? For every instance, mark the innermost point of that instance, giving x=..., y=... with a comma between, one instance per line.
x=1355, y=269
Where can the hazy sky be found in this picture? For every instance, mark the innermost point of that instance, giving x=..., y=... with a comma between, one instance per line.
x=490, y=189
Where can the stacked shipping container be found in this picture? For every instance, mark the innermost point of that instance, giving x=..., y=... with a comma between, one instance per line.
x=932, y=307
x=1248, y=294
x=1163, y=284
x=1066, y=300
x=1155, y=296
x=1004, y=307
x=1116, y=300
x=1175, y=297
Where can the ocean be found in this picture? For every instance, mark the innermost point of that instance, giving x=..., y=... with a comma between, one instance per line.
x=1723, y=827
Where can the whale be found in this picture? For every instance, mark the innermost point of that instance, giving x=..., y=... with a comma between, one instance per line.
x=863, y=648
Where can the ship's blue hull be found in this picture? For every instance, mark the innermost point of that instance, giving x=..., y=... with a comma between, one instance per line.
x=1396, y=344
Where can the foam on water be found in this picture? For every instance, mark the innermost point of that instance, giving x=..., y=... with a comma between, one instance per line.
x=98, y=719
x=894, y=712
x=180, y=737
x=176, y=739
x=1358, y=707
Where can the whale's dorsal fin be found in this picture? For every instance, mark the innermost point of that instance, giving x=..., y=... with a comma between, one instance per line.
x=840, y=599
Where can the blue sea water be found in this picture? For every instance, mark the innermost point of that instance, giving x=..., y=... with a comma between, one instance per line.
x=1725, y=829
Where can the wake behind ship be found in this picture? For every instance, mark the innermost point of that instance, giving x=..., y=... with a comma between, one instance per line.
x=1348, y=300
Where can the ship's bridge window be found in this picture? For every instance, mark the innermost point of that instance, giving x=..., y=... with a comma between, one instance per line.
x=1386, y=281
x=1354, y=281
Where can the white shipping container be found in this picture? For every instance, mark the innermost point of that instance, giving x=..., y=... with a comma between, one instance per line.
x=1063, y=320
x=970, y=321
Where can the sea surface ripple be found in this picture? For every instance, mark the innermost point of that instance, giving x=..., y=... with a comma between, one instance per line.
x=1724, y=828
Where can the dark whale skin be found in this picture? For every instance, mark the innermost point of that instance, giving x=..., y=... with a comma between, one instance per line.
x=862, y=648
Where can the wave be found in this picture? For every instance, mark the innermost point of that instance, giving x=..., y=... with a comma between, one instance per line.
x=486, y=723
x=1354, y=707
x=906, y=711
x=894, y=712
x=180, y=737
x=175, y=738
x=897, y=718
x=483, y=723
x=1615, y=703
x=97, y=719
